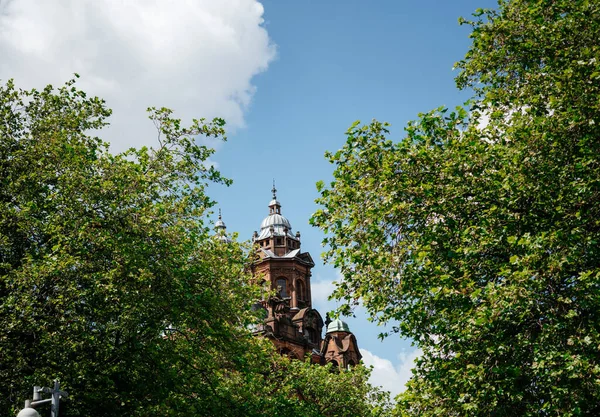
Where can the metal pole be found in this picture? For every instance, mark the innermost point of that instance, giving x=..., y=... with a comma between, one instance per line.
x=55, y=399
x=36, y=393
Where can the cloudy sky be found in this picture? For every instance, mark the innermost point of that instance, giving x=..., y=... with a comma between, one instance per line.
x=288, y=76
x=195, y=56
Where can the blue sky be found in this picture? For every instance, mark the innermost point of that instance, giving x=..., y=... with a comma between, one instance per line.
x=289, y=77
x=337, y=62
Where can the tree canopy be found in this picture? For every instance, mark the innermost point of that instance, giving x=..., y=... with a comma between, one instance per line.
x=112, y=281
x=477, y=233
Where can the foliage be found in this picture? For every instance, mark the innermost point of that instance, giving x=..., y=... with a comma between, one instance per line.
x=289, y=387
x=478, y=232
x=322, y=391
x=111, y=281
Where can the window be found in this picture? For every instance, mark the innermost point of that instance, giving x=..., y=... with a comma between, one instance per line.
x=288, y=353
x=312, y=335
x=282, y=287
x=301, y=290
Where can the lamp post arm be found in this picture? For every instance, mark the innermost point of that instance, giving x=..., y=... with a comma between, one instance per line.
x=38, y=402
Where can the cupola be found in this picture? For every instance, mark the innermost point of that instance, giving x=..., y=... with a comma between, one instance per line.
x=221, y=230
x=276, y=224
x=338, y=325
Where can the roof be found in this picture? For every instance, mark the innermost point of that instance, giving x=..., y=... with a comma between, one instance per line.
x=221, y=230
x=292, y=254
x=338, y=325
x=275, y=224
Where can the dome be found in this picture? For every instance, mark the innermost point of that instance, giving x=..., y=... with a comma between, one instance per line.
x=338, y=326
x=276, y=220
x=280, y=226
x=221, y=230
x=220, y=224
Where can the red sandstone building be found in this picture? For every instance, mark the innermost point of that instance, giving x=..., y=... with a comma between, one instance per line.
x=291, y=323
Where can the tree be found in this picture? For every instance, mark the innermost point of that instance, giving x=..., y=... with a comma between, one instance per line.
x=290, y=387
x=112, y=282
x=478, y=232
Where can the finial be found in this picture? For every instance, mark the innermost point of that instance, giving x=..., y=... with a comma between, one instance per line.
x=274, y=190
x=219, y=224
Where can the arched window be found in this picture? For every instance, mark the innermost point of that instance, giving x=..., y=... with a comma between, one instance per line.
x=281, y=286
x=312, y=335
x=301, y=290
x=287, y=352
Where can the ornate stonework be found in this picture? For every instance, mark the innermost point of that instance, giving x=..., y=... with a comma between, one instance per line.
x=292, y=324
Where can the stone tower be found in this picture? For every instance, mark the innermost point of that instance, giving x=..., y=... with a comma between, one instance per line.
x=339, y=346
x=291, y=323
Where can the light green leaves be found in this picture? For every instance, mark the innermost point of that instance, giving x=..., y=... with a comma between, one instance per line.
x=481, y=239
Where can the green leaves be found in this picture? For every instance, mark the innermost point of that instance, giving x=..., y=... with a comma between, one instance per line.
x=478, y=230
x=111, y=281
x=102, y=256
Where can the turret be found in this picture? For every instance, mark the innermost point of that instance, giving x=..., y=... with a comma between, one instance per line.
x=221, y=230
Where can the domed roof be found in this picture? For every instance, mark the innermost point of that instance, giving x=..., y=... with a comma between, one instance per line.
x=338, y=325
x=221, y=230
x=275, y=224
x=275, y=220
x=220, y=224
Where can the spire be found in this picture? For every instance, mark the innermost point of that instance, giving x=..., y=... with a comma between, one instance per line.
x=220, y=224
x=274, y=206
x=221, y=229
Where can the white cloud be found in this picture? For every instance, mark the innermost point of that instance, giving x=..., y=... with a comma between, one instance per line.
x=195, y=56
x=321, y=290
x=388, y=375
x=322, y=287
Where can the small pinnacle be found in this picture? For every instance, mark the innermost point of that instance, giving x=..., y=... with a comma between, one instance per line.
x=274, y=190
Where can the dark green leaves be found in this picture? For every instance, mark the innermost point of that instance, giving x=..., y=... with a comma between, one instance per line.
x=109, y=279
